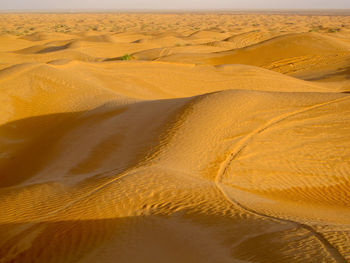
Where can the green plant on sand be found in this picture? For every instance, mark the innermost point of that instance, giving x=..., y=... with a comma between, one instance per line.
x=126, y=57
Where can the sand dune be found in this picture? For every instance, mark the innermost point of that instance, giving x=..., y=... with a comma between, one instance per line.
x=174, y=138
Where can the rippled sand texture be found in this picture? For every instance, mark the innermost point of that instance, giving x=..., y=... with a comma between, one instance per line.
x=221, y=138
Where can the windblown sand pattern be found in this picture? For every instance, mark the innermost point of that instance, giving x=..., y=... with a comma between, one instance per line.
x=174, y=138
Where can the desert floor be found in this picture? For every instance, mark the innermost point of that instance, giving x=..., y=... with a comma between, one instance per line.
x=174, y=138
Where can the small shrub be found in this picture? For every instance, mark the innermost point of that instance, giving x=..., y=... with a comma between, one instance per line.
x=126, y=57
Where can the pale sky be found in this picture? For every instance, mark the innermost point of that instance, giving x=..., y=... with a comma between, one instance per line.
x=171, y=4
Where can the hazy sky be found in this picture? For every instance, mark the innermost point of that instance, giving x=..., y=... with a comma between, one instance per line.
x=171, y=4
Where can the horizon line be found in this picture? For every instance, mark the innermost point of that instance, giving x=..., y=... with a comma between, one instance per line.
x=177, y=10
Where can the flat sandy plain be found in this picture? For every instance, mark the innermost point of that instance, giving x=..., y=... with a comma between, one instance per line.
x=222, y=138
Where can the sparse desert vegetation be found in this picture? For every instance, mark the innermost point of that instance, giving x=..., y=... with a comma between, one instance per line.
x=126, y=57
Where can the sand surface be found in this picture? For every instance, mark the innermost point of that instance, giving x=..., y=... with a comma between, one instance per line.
x=221, y=138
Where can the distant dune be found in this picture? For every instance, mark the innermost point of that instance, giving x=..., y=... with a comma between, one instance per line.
x=174, y=138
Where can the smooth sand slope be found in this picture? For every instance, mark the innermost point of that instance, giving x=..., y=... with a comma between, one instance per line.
x=221, y=138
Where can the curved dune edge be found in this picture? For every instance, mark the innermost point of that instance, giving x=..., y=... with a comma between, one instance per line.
x=205, y=145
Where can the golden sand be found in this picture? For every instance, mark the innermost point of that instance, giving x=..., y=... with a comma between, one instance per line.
x=174, y=138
